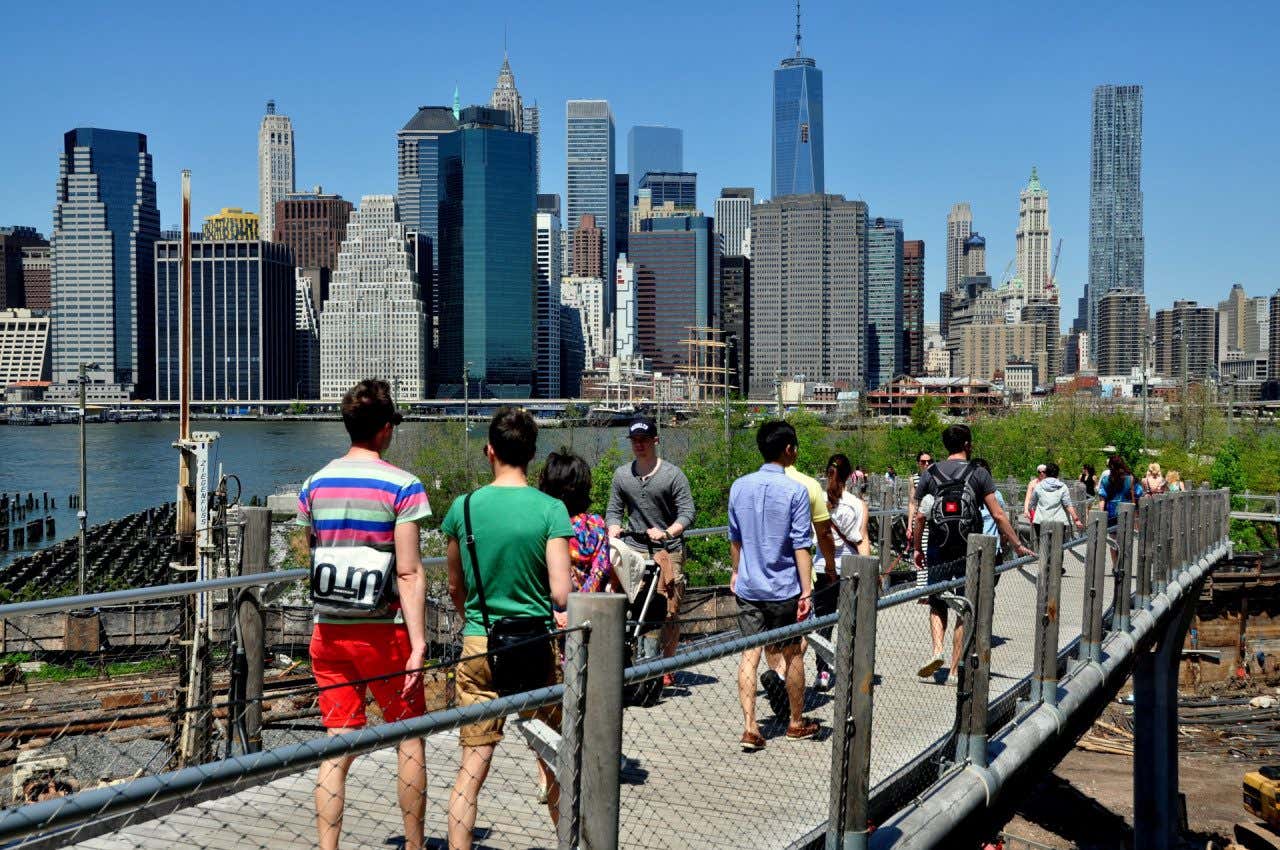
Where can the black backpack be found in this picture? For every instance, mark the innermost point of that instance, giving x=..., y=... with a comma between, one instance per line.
x=955, y=513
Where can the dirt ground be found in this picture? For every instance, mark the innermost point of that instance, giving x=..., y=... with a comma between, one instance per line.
x=1087, y=803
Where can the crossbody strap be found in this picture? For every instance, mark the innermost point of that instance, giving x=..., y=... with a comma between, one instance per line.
x=475, y=562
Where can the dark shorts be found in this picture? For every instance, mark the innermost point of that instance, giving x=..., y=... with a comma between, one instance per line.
x=756, y=617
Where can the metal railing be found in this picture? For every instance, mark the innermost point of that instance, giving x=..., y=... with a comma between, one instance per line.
x=666, y=774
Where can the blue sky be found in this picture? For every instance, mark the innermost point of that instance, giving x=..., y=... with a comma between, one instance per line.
x=926, y=104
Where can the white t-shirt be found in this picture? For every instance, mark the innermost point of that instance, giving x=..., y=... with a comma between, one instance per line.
x=847, y=517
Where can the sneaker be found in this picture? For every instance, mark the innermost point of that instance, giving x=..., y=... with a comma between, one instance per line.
x=751, y=741
x=933, y=665
x=825, y=681
x=803, y=730
x=776, y=692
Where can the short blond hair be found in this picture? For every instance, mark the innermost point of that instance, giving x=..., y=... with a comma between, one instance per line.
x=1173, y=477
x=1153, y=468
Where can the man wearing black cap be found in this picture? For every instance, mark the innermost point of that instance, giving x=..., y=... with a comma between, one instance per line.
x=652, y=496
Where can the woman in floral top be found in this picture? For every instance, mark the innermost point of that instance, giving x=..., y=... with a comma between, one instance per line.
x=568, y=478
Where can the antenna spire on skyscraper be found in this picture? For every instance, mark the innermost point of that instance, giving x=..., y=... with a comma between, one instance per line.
x=797, y=28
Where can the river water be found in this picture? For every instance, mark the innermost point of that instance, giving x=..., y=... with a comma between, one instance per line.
x=133, y=465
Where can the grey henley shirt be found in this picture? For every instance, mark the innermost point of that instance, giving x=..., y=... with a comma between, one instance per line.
x=638, y=505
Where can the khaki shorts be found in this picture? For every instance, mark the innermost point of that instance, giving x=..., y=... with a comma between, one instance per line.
x=677, y=571
x=475, y=684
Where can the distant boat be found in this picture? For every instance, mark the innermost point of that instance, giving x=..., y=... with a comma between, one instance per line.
x=609, y=417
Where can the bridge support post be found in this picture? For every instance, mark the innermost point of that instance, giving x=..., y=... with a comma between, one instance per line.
x=1155, y=727
x=1146, y=548
x=1124, y=569
x=973, y=690
x=597, y=687
x=1162, y=530
x=855, y=673
x=1095, y=564
x=1044, y=672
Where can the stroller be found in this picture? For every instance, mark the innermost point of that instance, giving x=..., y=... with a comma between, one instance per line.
x=642, y=578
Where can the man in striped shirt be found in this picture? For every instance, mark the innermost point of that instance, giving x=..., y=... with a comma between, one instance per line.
x=361, y=500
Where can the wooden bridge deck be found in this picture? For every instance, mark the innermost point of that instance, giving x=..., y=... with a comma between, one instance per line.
x=687, y=783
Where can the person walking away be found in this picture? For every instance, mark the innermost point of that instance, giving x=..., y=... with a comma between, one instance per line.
x=1173, y=481
x=567, y=477
x=769, y=537
x=849, y=527
x=1089, y=478
x=360, y=507
x=652, y=496
x=1051, y=500
x=1153, y=482
x=1117, y=485
x=1031, y=486
x=825, y=585
x=516, y=540
x=956, y=487
x=988, y=522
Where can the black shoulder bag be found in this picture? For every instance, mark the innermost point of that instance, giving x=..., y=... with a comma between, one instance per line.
x=520, y=655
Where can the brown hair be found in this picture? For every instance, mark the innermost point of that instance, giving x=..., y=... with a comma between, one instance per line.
x=367, y=408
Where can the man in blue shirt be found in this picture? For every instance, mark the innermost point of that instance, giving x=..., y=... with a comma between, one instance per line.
x=769, y=539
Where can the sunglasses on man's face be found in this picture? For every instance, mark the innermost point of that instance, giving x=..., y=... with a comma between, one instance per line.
x=925, y=461
x=396, y=418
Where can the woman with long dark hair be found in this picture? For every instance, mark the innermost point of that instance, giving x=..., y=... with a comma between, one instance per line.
x=567, y=477
x=849, y=528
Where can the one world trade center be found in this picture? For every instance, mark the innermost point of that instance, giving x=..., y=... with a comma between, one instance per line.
x=797, y=125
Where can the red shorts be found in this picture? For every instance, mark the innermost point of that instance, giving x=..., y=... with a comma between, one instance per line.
x=343, y=654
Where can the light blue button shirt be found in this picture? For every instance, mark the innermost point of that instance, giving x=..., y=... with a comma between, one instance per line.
x=769, y=517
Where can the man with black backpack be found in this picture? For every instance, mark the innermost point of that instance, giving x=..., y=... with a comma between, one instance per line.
x=508, y=557
x=368, y=593
x=950, y=494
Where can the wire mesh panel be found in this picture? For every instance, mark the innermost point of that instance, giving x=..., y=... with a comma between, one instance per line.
x=397, y=774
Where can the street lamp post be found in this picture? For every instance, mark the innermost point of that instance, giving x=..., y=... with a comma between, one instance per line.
x=466, y=419
x=82, y=515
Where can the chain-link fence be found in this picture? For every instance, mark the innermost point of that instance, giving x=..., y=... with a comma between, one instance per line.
x=659, y=748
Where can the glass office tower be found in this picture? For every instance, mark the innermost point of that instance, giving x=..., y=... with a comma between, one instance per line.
x=487, y=263
x=797, y=128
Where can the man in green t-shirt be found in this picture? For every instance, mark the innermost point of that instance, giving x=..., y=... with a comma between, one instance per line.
x=522, y=542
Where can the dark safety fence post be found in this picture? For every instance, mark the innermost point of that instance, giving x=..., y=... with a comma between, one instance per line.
x=1044, y=673
x=1146, y=550
x=1095, y=564
x=850, y=796
x=973, y=689
x=1124, y=568
x=601, y=726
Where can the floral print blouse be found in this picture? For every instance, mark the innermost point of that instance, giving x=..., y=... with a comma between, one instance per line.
x=589, y=554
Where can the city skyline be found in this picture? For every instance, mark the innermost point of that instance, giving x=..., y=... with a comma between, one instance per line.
x=918, y=176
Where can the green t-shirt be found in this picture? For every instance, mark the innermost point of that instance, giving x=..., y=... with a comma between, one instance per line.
x=512, y=526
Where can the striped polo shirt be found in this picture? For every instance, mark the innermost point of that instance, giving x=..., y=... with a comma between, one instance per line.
x=360, y=503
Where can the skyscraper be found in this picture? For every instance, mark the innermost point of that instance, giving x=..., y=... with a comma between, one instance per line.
x=24, y=346
x=589, y=147
x=733, y=220
x=242, y=320
x=735, y=318
x=621, y=204
x=487, y=263
x=1033, y=241
x=1122, y=324
x=374, y=324
x=809, y=275
x=418, y=171
x=232, y=224
x=1186, y=341
x=677, y=272
x=624, y=314
x=678, y=187
x=533, y=126
x=913, y=307
x=1116, y=245
x=13, y=242
x=313, y=225
x=586, y=296
x=507, y=96
x=959, y=228
x=37, y=277
x=546, y=342
x=105, y=227
x=275, y=165
x=797, y=125
x=588, y=248
x=884, y=301
x=652, y=148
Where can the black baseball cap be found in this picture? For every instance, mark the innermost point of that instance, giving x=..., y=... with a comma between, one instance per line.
x=642, y=427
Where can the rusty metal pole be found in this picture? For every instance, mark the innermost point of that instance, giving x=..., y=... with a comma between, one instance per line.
x=1044, y=673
